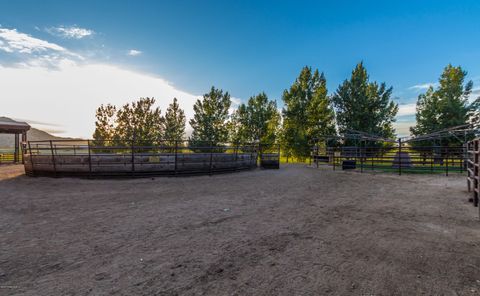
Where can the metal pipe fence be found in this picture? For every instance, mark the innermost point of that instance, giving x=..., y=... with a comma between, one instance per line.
x=138, y=158
x=395, y=159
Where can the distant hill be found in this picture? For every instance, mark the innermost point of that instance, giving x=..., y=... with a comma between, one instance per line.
x=33, y=134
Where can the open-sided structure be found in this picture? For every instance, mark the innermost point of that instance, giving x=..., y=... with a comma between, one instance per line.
x=16, y=129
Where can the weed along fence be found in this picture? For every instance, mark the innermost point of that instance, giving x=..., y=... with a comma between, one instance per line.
x=107, y=158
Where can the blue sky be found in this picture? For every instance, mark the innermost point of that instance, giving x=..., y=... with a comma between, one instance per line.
x=245, y=46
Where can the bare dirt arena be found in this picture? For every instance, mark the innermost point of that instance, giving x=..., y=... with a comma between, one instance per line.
x=293, y=231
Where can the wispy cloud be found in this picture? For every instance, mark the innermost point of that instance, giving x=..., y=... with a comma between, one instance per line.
x=406, y=109
x=72, y=32
x=134, y=52
x=14, y=41
x=58, y=87
x=423, y=86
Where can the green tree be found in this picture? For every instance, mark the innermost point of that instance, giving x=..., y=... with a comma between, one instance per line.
x=427, y=114
x=174, y=123
x=210, y=119
x=236, y=127
x=364, y=106
x=138, y=121
x=105, y=124
x=258, y=120
x=448, y=105
x=307, y=113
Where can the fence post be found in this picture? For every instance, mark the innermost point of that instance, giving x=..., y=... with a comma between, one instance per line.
x=24, y=146
x=279, y=150
x=399, y=156
x=432, y=156
x=15, y=153
x=53, y=158
x=311, y=154
x=176, y=153
x=89, y=160
x=361, y=161
x=211, y=156
x=334, y=160
x=133, y=156
x=235, y=150
x=31, y=157
x=446, y=159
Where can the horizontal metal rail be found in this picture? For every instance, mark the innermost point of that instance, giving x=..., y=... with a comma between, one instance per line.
x=406, y=159
x=139, y=158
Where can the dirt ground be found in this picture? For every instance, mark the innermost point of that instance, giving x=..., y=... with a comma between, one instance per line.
x=293, y=231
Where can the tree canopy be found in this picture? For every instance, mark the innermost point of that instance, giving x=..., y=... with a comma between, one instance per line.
x=174, y=124
x=364, y=106
x=258, y=120
x=139, y=121
x=210, y=119
x=307, y=113
x=446, y=106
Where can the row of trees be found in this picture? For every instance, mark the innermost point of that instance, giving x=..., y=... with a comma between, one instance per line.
x=308, y=112
x=139, y=121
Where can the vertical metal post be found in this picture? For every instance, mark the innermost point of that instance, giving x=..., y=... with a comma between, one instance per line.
x=260, y=154
x=89, y=160
x=53, y=158
x=279, y=149
x=432, y=156
x=446, y=159
x=31, y=158
x=334, y=159
x=361, y=163
x=24, y=141
x=462, y=158
x=311, y=154
x=133, y=156
x=235, y=150
x=16, y=153
x=176, y=152
x=400, y=156
x=211, y=156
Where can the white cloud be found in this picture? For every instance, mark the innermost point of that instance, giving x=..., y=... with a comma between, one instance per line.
x=134, y=52
x=474, y=95
x=423, y=86
x=14, y=41
x=73, y=32
x=52, y=84
x=69, y=95
x=403, y=128
x=406, y=109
